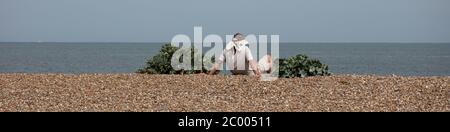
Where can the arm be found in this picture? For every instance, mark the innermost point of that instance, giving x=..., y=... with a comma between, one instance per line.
x=214, y=68
x=252, y=62
x=217, y=64
x=254, y=67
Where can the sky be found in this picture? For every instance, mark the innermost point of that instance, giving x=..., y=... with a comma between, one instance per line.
x=160, y=20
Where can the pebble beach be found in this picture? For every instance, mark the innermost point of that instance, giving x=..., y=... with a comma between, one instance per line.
x=204, y=93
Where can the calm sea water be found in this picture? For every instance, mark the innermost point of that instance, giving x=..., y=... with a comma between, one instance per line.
x=343, y=58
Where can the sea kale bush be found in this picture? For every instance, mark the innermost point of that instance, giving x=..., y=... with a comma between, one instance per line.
x=301, y=66
x=160, y=63
x=296, y=66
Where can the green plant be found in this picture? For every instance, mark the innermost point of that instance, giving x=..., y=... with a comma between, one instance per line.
x=161, y=63
x=301, y=66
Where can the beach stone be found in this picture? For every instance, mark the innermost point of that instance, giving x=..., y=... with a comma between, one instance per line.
x=205, y=93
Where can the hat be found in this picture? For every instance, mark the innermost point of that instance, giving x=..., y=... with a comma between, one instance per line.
x=238, y=41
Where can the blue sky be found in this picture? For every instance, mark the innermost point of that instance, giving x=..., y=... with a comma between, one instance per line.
x=160, y=20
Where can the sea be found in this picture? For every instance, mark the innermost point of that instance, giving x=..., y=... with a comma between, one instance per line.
x=406, y=59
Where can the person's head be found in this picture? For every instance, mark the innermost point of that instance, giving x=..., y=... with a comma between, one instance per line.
x=238, y=36
x=239, y=39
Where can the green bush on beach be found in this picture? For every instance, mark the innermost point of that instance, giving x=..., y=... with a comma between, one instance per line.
x=296, y=66
x=160, y=63
x=301, y=66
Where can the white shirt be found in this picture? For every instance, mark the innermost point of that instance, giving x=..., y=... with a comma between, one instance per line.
x=236, y=60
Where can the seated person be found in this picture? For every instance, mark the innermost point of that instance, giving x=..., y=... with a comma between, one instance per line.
x=236, y=51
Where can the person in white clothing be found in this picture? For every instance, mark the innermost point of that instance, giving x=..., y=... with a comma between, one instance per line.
x=239, y=59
